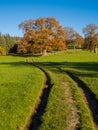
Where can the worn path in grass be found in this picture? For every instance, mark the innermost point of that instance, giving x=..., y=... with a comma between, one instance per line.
x=36, y=118
x=88, y=96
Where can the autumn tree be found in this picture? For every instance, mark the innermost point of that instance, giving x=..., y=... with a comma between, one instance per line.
x=69, y=36
x=91, y=37
x=2, y=51
x=42, y=35
x=78, y=41
x=73, y=38
x=2, y=41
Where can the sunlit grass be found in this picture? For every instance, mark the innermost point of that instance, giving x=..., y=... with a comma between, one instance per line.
x=85, y=66
x=20, y=86
x=58, y=113
x=83, y=63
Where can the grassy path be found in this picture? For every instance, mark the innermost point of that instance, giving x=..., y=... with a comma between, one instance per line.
x=36, y=118
x=56, y=116
x=59, y=112
x=89, y=98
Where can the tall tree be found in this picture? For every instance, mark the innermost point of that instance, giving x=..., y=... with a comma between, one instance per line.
x=90, y=30
x=43, y=35
x=73, y=38
x=91, y=37
x=78, y=41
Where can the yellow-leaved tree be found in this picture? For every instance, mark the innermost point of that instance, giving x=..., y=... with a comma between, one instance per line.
x=2, y=51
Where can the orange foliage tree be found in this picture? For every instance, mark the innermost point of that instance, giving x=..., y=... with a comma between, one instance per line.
x=41, y=35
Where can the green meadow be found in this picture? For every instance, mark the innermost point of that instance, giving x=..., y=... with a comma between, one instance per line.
x=85, y=66
x=82, y=63
x=21, y=84
x=20, y=87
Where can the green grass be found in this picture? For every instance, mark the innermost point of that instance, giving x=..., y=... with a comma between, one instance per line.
x=63, y=109
x=60, y=112
x=82, y=63
x=20, y=86
x=18, y=80
x=85, y=118
x=85, y=66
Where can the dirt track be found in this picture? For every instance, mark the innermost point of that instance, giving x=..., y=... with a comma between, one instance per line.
x=88, y=96
x=36, y=118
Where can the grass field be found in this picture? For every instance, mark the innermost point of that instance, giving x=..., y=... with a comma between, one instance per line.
x=82, y=63
x=60, y=107
x=62, y=112
x=21, y=84
x=85, y=66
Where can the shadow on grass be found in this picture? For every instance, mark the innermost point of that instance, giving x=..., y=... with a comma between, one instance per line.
x=89, y=66
x=26, y=55
x=83, y=69
x=21, y=63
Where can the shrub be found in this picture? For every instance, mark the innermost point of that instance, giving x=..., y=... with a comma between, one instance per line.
x=2, y=51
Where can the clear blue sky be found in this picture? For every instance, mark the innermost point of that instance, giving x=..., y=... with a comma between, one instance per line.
x=73, y=13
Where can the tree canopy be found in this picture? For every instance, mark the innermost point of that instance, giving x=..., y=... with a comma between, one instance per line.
x=73, y=38
x=44, y=35
x=40, y=35
x=91, y=37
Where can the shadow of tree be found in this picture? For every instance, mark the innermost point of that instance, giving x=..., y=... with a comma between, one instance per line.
x=83, y=69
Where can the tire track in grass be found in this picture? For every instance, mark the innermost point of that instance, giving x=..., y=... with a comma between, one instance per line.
x=73, y=119
x=88, y=96
x=36, y=118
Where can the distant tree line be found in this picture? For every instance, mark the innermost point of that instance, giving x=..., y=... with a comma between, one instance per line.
x=6, y=43
x=44, y=35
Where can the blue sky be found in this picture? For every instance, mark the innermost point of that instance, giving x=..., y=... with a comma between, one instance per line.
x=73, y=13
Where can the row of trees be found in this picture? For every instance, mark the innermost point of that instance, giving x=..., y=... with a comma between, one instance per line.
x=73, y=39
x=6, y=43
x=46, y=35
x=90, y=40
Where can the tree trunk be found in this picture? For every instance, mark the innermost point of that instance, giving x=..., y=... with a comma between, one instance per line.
x=95, y=49
x=91, y=50
x=44, y=52
x=74, y=45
